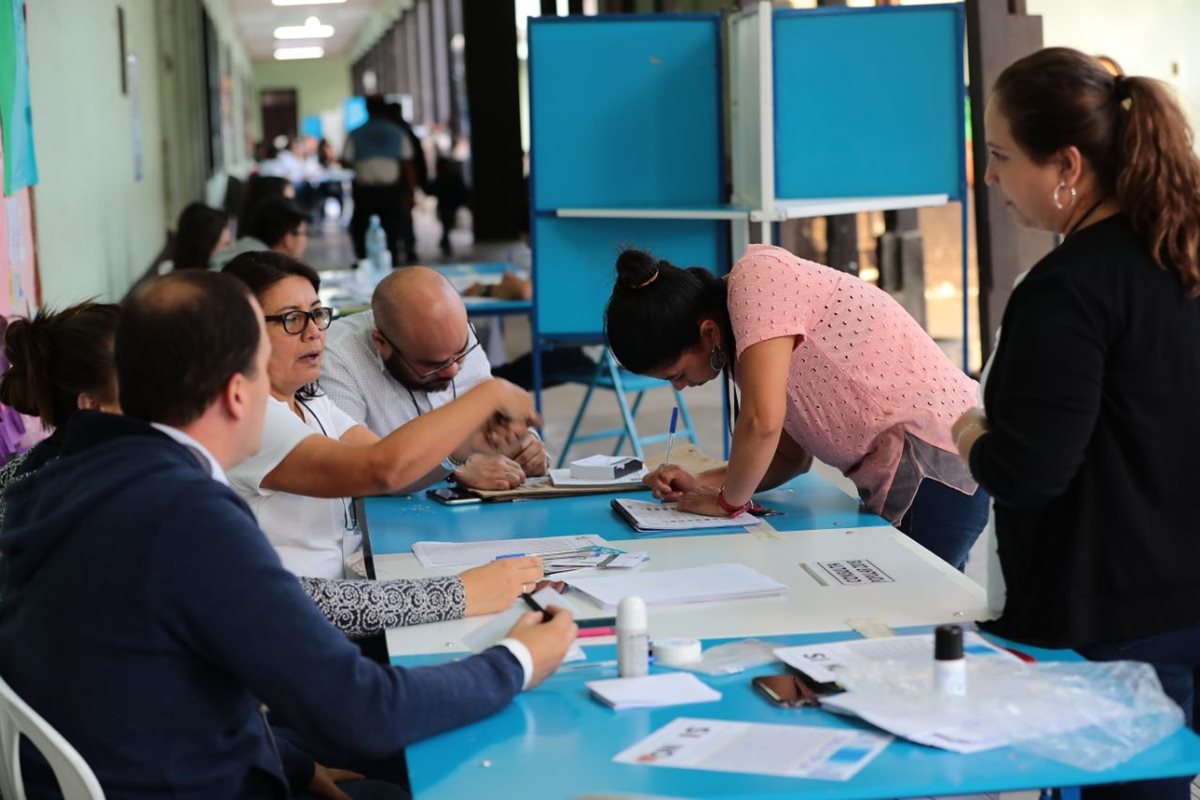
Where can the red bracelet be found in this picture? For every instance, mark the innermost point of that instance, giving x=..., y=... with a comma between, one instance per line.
x=728, y=507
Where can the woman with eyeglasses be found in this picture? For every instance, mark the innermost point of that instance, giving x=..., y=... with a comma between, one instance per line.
x=314, y=457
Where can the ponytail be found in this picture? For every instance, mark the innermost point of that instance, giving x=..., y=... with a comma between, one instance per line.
x=1158, y=178
x=56, y=356
x=1129, y=129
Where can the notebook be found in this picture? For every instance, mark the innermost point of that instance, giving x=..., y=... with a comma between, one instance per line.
x=646, y=516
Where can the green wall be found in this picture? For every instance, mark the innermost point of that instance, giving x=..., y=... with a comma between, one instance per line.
x=321, y=84
x=96, y=224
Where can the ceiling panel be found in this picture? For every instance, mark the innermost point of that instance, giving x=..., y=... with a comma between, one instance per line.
x=258, y=19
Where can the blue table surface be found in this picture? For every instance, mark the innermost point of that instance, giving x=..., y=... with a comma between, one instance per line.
x=394, y=524
x=555, y=741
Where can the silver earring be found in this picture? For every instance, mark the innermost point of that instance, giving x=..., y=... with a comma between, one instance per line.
x=1058, y=203
x=716, y=358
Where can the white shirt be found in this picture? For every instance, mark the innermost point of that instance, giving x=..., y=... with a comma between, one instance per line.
x=356, y=380
x=195, y=448
x=309, y=533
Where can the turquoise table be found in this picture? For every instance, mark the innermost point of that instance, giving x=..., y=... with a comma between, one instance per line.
x=556, y=742
x=345, y=290
x=393, y=524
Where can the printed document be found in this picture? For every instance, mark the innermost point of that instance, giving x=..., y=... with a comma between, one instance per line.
x=644, y=515
x=790, y=751
x=678, y=586
x=474, y=554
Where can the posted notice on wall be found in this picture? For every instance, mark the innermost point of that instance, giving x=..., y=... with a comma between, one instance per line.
x=790, y=751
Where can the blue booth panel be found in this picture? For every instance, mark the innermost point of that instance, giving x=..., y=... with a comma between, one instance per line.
x=576, y=264
x=869, y=102
x=626, y=112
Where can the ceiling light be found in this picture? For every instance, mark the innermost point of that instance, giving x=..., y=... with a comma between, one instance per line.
x=295, y=53
x=311, y=29
x=304, y=2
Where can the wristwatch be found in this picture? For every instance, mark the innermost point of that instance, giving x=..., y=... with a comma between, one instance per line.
x=730, y=508
x=452, y=464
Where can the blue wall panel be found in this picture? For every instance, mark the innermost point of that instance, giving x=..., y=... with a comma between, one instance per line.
x=576, y=264
x=625, y=112
x=869, y=102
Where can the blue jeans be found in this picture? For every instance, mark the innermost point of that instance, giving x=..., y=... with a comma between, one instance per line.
x=945, y=521
x=1175, y=656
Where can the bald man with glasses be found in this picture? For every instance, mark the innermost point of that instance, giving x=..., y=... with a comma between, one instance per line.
x=413, y=352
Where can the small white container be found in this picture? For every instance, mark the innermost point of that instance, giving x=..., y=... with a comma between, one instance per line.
x=633, y=639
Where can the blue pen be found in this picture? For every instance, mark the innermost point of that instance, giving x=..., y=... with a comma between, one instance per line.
x=509, y=555
x=671, y=435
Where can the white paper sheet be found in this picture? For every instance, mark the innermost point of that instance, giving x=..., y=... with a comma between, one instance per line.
x=653, y=691
x=655, y=516
x=823, y=662
x=678, y=586
x=473, y=554
x=790, y=751
x=500, y=624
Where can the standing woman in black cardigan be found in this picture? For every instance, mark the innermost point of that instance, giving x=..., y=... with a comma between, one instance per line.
x=1089, y=439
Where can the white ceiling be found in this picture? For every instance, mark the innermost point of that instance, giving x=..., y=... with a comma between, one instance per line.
x=258, y=19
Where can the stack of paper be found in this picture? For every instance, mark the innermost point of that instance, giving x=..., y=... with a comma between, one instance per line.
x=653, y=516
x=563, y=478
x=678, y=586
x=653, y=691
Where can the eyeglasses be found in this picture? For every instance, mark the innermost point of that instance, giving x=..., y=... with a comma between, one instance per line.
x=445, y=365
x=294, y=322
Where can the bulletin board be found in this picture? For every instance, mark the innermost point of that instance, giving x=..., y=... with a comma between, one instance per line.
x=19, y=289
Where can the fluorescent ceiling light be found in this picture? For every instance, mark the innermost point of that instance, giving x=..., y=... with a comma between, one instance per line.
x=305, y=2
x=311, y=29
x=294, y=53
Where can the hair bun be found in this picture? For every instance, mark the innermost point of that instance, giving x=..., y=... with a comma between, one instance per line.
x=635, y=267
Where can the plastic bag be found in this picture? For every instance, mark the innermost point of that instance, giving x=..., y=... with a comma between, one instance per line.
x=1089, y=715
x=732, y=658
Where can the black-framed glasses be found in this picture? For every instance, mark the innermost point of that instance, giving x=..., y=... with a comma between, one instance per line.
x=458, y=358
x=294, y=322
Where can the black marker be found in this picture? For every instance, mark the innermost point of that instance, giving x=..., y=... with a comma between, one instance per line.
x=529, y=601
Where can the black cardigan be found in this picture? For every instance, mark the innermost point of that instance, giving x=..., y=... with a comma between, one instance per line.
x=1093, y=454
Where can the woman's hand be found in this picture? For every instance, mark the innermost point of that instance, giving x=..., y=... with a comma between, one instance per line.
x=325, y=780
x=967, y=429
x=669, y=482
x=701, y=500
x=494, y=586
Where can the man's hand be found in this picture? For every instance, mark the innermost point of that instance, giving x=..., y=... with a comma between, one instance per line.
x=669, y=482
x=490, y=472
x=547, y=641
x=325, y=780
x=494, y=586
x=531, y=455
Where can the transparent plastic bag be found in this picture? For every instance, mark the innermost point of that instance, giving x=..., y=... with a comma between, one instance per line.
x=1086, y=714
x=732, y=658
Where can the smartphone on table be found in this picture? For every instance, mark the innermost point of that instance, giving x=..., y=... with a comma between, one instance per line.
x=793, y=689
x=454, y=495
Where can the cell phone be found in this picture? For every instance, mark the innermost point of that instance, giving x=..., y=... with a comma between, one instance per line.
x=793, y=690
x=454, y=496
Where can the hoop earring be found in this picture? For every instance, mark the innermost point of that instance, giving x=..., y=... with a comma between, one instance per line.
x=716, y=358
x=1058, y=203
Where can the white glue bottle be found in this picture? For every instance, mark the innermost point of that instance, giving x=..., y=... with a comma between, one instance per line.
x=633, y=640
x=949, y=665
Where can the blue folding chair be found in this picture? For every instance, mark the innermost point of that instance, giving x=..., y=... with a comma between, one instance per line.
x=609, y=375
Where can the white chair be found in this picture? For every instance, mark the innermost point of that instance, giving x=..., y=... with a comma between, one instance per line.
x=75, y=778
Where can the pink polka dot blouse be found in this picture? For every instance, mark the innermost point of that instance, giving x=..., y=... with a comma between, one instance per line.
x=870, y=392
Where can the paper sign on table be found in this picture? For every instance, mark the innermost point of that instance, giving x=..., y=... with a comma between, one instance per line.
x=790, y=751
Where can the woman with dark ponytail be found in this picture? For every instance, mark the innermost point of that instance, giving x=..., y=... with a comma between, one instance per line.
x=59, y=362
x=828, y=366
x=1091, y=421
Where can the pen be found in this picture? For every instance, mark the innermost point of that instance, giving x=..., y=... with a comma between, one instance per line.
x=671, y=435
x=529, y=601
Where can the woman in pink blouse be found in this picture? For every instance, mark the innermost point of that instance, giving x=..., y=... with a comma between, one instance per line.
x=828, y=366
